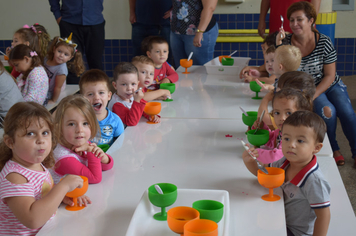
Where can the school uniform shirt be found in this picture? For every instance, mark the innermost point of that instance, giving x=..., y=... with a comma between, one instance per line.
x=307, y=191
x=111, y=127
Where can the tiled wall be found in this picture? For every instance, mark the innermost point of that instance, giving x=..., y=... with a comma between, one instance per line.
x=121, y=50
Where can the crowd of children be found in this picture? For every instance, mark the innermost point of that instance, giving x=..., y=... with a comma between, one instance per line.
x=69, y=143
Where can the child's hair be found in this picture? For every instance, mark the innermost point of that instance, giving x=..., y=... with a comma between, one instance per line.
x=93, y=76
x=270, y=39
x=21, y=51
x=301, y=102
x=76, y=64
x=142, y=59
x=20, y=116
x=289, y=56
x=82, y=105
x=124, y=68
x=147, y=43
x=44, y=39
x=298, y=80
x=271, y=49
x=308, y=119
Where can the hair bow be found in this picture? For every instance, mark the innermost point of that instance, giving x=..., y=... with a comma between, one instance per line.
x=69, y=41
x=33, y=54
x=32, y=27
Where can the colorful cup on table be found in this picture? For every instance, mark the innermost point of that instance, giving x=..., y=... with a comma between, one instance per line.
x=209, y=209
x=223, y=56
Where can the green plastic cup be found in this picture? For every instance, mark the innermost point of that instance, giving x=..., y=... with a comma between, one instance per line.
x=209, y=209
x=164, y=200
x=250, y=119
x=260, y=138
x=104, y=147
x=227, y=61
x=169, y=86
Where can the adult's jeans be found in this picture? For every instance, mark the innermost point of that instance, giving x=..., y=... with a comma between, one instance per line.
x=182, y=46
x=141, y=31
x=337, y=99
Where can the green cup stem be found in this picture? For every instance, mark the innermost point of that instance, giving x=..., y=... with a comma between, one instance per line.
x=163, y=211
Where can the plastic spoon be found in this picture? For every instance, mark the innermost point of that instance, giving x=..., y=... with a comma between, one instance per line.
x=2, y=53
x=158, y=188
x=259, y=122
x=190, y=56
x=282, y=19
x=233, y=53
x=261, y=167
x=244, y=111
x=138, y=89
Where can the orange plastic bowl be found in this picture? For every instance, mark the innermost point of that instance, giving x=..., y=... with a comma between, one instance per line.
x=79, y=191
x=273, y=179
x=177, y=217
x=152, y=108
x=201, y=227
x=221, y=57
x=185, y=63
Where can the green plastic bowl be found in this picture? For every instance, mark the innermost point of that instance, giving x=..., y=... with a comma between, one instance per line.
x=255, y=87
x=169, y=86
x=250, y=119
x=260, y=138
x=227, y=61
x=209, y=209
x=104, y=147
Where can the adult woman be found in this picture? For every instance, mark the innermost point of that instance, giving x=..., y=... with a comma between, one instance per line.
x=193, y=29
x=331, y=99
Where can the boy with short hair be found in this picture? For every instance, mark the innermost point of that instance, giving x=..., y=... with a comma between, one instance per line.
x=127, y=102
x=94, y=85
x=305, y=190
x=157, y=49
x=146, y=70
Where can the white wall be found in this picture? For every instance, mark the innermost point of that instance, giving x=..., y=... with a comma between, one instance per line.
x=116, y=13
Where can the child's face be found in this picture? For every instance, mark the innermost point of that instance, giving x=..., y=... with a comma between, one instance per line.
x=16, y=40
x=299, y=144
x=126, y=85
x=146, y=73
x=277, y=67
x=158, y=53
x=75, y=127
x=98, y=95
x=269, y=59
x=62, y=54
x=22, y=65
x=282, y=108
x=32, y=146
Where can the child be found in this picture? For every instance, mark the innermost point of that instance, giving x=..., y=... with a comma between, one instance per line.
x=59, y=53
x=157, y=49
x=94, y=85
x=28, y=36
x=305, y=190
x=33, y=81
x=76, y=124
x=28, y=197
x=126, y=102
x=284, y=103
x=145, y=67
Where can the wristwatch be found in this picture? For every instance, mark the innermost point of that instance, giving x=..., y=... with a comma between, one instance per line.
x=200, y=31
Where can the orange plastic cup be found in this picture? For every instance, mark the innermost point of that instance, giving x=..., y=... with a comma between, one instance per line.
x=177, y=217
x=78, y=192
x=186, y=64
x=221, y=57
x=201, y=227
x=273, y=179
x=152, y=109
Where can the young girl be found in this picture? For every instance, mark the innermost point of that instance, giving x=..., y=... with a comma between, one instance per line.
x=44, y=40
x=284, y=103
x=76, y=124
x=28, y=197
x=33, y=81
x=59, y=53
x=30, y=36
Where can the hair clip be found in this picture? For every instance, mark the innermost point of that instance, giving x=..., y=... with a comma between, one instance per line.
x=69, y=41
x=32, y=27
x=33, y=53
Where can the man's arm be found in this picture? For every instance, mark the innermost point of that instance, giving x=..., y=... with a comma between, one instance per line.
x=316, y=4
x=265, y=4
x=132, y=4
x=55, y=8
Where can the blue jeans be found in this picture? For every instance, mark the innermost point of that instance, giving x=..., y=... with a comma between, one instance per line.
x=337, y=99
x=182, y=46
x=141, y=31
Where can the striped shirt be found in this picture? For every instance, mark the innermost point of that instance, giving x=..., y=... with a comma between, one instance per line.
x=38, y=185
x=323, y=53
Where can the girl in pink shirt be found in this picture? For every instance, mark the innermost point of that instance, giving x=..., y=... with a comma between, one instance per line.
x=33, y=81
x=28, y=198
x=76, y=125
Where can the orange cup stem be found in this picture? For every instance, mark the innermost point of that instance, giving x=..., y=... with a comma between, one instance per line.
x=271, y=192
x=75, y=201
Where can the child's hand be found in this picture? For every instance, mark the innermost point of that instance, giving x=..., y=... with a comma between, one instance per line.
x=246, y=156
x=248, y=79
x=8, y=50
x=255, y=124
x=72, y=182
x=165, y=81
x=138, y=95
x=99, y=153
x=155, y=119
x=82, y=200
x=244, y=72
x=87, y=147
x=166, y=94
x=254, y=73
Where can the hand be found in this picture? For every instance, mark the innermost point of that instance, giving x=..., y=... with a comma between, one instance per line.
x=99, y=153
x=132, y=17
x=72, y=182
x=248, y=79
x=8, y=50
x=167, y=14
x=59, y=20
x=264, y=87
x=166, y=93
x=82, y=200
x=197, y=40
x=280, y=36
x=256, y=124
x=84, y=148
x=254, y=73
x=165, y=81
x=246, y=156
x=261, y=28
x=155, y=119
x=138, y=95
x=244, y=72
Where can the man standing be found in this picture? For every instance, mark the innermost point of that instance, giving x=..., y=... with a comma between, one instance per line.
x=86, y=21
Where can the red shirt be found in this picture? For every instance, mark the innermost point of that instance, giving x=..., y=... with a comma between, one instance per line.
x=130, y=117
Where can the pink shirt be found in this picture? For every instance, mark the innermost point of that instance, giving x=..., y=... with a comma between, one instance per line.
x=38, y=185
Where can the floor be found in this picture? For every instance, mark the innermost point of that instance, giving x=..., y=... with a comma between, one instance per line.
x=347, y=172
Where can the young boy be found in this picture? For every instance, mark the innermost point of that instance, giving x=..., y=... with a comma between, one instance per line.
x=127, y=102
x=145, y=67
x=305, y=190
x=94, y=85
x=157, y=49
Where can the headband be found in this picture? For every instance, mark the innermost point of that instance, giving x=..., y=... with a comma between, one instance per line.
x=69, y=41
